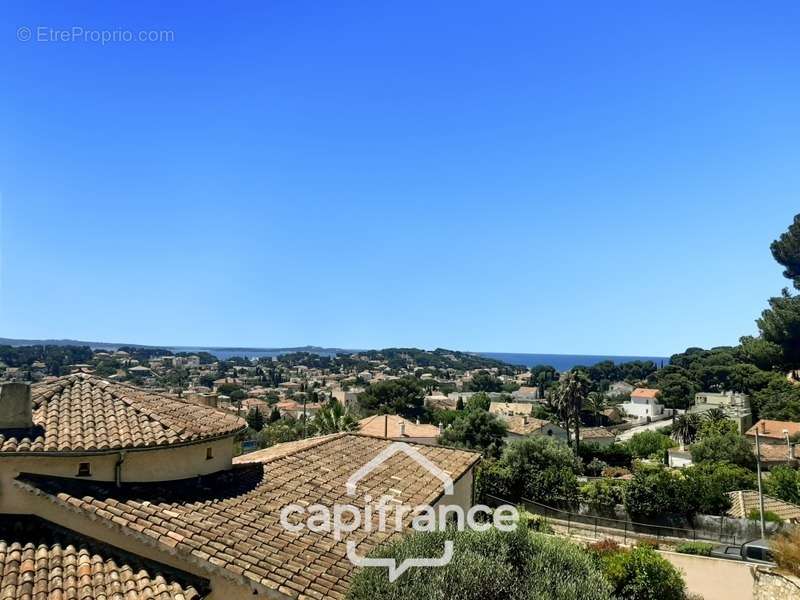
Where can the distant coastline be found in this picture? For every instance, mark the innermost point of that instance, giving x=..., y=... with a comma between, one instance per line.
x=562, y=362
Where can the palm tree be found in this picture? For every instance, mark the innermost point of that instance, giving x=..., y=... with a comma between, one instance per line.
x=595, y=404
x=715, y=415
x=334, y=418
x=684, y=429
x=573, y=387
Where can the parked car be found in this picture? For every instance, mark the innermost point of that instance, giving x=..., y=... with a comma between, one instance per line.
x=756, y=551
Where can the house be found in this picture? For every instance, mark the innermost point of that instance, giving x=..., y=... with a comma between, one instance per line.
x=644, y=407
x=397, y=428
x=346, y=398
x=511, y=408
x=520, y=427
x=440, y=402
x=679, y=458
x=773, y=432
x=597, y=435
x=620, y=388
x=774, y=455
x=291, y=408
x=735, y=406
x=526, y=394
x=178, y=517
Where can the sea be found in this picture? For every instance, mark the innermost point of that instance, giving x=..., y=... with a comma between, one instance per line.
x=561, y=362
x=564, y=362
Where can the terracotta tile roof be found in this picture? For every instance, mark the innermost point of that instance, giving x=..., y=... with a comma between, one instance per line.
x=774, y=429
x=776, y=453
x=378, y=424
x=593, y=433
x=81, y=413
x=744, y=502
x=644, y=393
x=230, y=522
x=56, y=572
x=509, y=408
x=526, y=425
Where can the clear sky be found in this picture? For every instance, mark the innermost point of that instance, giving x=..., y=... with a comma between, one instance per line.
x=556, y=178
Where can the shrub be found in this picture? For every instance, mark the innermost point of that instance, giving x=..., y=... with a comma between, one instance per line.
x=615, y=472
x=651, y=543
x=755, y=515
x=724, y=447
x=786, y=551
x=709, y=484
x=476, y=430
x=784, y=483
x=540, y=469
x=604, y=546
x=595, y=467
x=617, y=455
x=698, y=548
x=649, y=443
x=655, y=493
x=604, y=494
x=641, y=574
x=489, y=565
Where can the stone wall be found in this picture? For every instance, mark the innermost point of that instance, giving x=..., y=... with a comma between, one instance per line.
x=772, y=585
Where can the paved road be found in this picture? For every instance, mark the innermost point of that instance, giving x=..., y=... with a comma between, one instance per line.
x=629, y=433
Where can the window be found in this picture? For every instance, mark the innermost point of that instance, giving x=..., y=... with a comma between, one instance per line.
x=84, y=470
x=209, y=453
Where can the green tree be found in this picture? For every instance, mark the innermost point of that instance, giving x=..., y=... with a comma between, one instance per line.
x=479, y=401
x=648, y=443
x=642, y=574
x=476, y=430
x=784, y=483
x=724, y=447
x=573, y=387
x=655, y=492
x=780, y=324
x=786, y=251
x=333, y=418
x=685, y=428
x=709, y=484
x=275, y=415
x=255, y=420
x=676, y=390
x=403, y=397
x=489, y=565
x=759, y=352
x=539, y=468
x=483, y=381
x=780, y=400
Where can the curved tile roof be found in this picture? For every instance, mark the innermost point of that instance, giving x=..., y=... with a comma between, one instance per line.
x=229, y=522
x=63, y=572
x=81, y=413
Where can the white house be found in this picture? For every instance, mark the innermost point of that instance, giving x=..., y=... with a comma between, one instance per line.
x=644, y=406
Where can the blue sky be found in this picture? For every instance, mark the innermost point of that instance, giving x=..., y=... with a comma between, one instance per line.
x=561, y=178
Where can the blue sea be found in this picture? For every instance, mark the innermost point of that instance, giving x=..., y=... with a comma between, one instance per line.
x=564, y=362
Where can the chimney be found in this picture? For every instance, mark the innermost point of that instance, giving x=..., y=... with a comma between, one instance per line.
x=402, y=428
x=763, y=424
x=524, y=420
x=16, y=411
x=441, y=428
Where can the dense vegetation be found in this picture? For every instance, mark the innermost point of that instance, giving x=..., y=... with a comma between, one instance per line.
x=491, y=565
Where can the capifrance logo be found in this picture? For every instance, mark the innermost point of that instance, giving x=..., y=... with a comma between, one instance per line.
x=388, y=514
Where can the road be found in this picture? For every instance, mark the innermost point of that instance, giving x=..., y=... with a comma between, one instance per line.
x=629, y=433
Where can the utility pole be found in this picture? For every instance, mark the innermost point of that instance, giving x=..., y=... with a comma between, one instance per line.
x=760, y=492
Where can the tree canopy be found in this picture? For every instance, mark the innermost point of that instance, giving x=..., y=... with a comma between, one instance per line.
x=490, y=565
